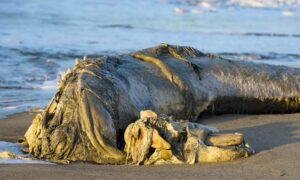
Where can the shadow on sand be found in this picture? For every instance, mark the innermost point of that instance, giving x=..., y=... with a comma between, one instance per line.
x=269, y=136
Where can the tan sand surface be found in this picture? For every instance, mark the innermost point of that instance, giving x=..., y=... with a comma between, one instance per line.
x=276, y=139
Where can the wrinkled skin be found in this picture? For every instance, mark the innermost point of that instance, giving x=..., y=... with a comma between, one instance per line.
x=99, y=98
x=160, y=140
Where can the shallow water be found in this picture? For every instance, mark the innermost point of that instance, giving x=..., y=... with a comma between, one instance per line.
x=40, y=39
x=15, y=149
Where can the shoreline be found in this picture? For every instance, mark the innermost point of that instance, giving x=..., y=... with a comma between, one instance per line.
x=276, y=139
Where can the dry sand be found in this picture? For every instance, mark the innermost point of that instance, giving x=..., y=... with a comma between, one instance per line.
x=276, y=139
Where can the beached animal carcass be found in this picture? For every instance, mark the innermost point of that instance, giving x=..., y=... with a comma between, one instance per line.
x=99, y=98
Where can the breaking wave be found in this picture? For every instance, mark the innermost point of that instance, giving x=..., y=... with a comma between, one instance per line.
x=241, y=3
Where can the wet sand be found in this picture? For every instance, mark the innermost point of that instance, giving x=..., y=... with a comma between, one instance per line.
x=276, y=138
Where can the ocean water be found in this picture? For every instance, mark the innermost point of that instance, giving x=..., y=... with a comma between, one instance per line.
x=15, y=149
x=40, y=39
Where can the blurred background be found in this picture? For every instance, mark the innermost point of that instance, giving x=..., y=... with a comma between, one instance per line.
x=39, y=39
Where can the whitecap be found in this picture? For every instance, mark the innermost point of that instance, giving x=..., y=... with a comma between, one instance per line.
x=287, y=13
x=10, y=107
x=178, y=10
x=204, y=5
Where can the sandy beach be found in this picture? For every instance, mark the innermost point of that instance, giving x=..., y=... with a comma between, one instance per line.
x=276, y=138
